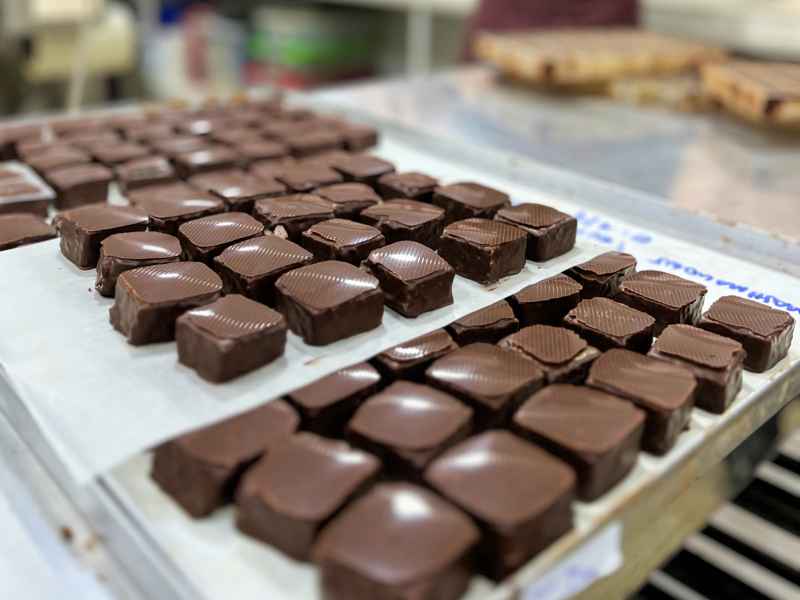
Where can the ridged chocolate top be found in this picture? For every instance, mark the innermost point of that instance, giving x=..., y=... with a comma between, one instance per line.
x=607, y=263
x=410, y=416
x=663, y=288
x=233, y=184
x=289, y=207
x=654, y=383
x=337, y=386
x=153, y=167
x=499, y=478
x=532, y=215
x=343, y=232
x=698, y=346
x=141, y=245
x=474, y=194
x=608, y=316
x=16, y=227
x=98, y=217
x=263, y=255
x=483, y=232
x=234, y=316
x=224, y=228
x=549, y=345
x=558, y=286
x=419, y=348
x=171, y=282
x=408, y=213
x=753, y=317
x=410, y=184
x=173, y=207
x=491, y=315
x=347, y=193
x=427, y=534
x=363, y=165
x=409, y=261
x=67, y=177
x=326, y=284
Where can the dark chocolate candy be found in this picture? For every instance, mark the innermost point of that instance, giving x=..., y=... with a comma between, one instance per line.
x=148, y=300
x=324, y=159
x=329, y=301
x=349, y=199
x=29, y=149
x=21, y=229
x=551, y=232
x=171, y=206
x=20, y=194
x=517, y=493
x=714, y=360
x=466, y=200
x=88, y=139
x=414, y=279
x=143, y=172
x=428, y=557
x=270, y=169
x=665, y=391
x=236, y=136
x=57, y=157
x=257, y=149
x=79, y=185
x=411, y=185
x=313, y=142
x=150, y=133
x=125, y=251
x=206, y=237
x=597, y=433
x=210, y=158
x=174, y=146
x=602, y=275
x=294, y=213
x=494, y=381
x=563, y=355
x=406, y=220
x=83, y=229
x=112, y=155
x=200, y=470
x=229, y=337
x=408, y=425
x=488, y=325
x=483, y=250
x=546, y=302
x=251, y=267
x=298, y=487
x=239, y=190
x=328, y=403
x=665, y=297
x=307, y=177
x=764, y=332
x=607, y=324
x=358, y=138
x=342, y=239
x=363, y=168
x=410, y=359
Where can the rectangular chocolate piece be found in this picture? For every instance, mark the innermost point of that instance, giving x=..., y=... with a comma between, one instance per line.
x=551, y=232
x=467, y=200
x=80, y=185
x=294, y=214
x=665, y=391
x=407, y=425
x=602, y=275
x=125, y=251
x=409, y=360
x=174, y=146
x=327, y=404
x=602, y=454
x=253, y=150
x=57, y=157
x=313, y=142
x=306, y=177
x=148, y=300
x=342, y=239
x=497, y=479
x=483, y=250
x=546, y=302
x=714, y=360
x=362, y=168
x=210, y=158
x=21, y=229
x=358, y=138
x=414, y=279
x=144, y=172
x=410, y=185
x=429, y=557
x=24, y=192
x=349, y=199
x=229, y=337
x=200, y=470
x=607, y=324
x=488, y=325
x=239, y=190
x=207, y=237
x=168, y=212
x=82, y=230
x=665, y=297
x=406, y=220
x=764, y=332
x=112, y=155
x=298, y=487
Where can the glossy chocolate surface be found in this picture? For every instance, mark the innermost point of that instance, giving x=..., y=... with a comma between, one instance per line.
x=349, y=199
x=602, y=275
x=210, y=158
x=551, y=232
x=142, y=172
x=406, y=220
x=63, y=156
x=607, y=324
x=83, y=229
x=483, y=250
x=294, y=213
x=364, y=168
x=257, y=149
x=313, y=142
x=124, y=251
x=342, y=239
x=238, y=189
x=307, y=177
x=206, y=237
x=546, y=302
x=115, y=154
x=21, y=229
x=667, y=298
x=411, y=185
x=79, y=185
x=410, y=359
x=169, y=211
x=468, y=199
x=488, y=325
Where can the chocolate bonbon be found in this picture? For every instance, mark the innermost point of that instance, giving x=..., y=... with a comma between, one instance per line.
x=466, y=200
x=252, y=150
x=209, y=158
x=349, y=199
x=313, y=142
x=79, y=185
x=551, y=232
x=21, y=229
x=112, y=155
x=602, y=275
x=294, y=214
x=362, y=168
x=406, y=220
x=358, y=137
x=307, y=177
x=483, y=250
x=206, y=237
x=410, y=359
x=143, y=172
x=170, y=206
x=24, y=192
x=607, y=324
x=546, y=302
x=342, y=239
x=488, y=325
x=239, y=190
x=411, y=185
x=57, y=157
x=125, y=251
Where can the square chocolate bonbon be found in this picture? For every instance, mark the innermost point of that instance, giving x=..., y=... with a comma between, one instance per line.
x=83, y=229
x=342, y=239
x=362, y=168
x=252, y=267
x=414, y=279
x=112, y=155
x=714, y=360
x=21, y=229
x=551, y=232
x=309, y=143
x=563, y=355
x=24, y=194
x=229, y=337
x=546, y=302
x=358, y=138
x=239, y=190
x=407, y=425
x=602, y=275
x=143, y=172
x=406, y=220
x=764, y=332
x=429, y=556
x=665, y=391
x=298, y=487
x=498, y=479
x=349, y=199
x=252, y=150
x=79, y=185
x=665, y=297
x=58, y=157
x=595, y=432
x=149, y=300
x=410, y=185
x=488, y=325
x=329, y=301
x=306, y=177
x=175, y=146
x=171, y=206
x=410, y=359
x=200, y=470
x=294, y=214
x=483, y=250
x=210, y=158
x=125, y=251
x=467, y=200
x=207, y=237
x=607, y=324
x=493, y=381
